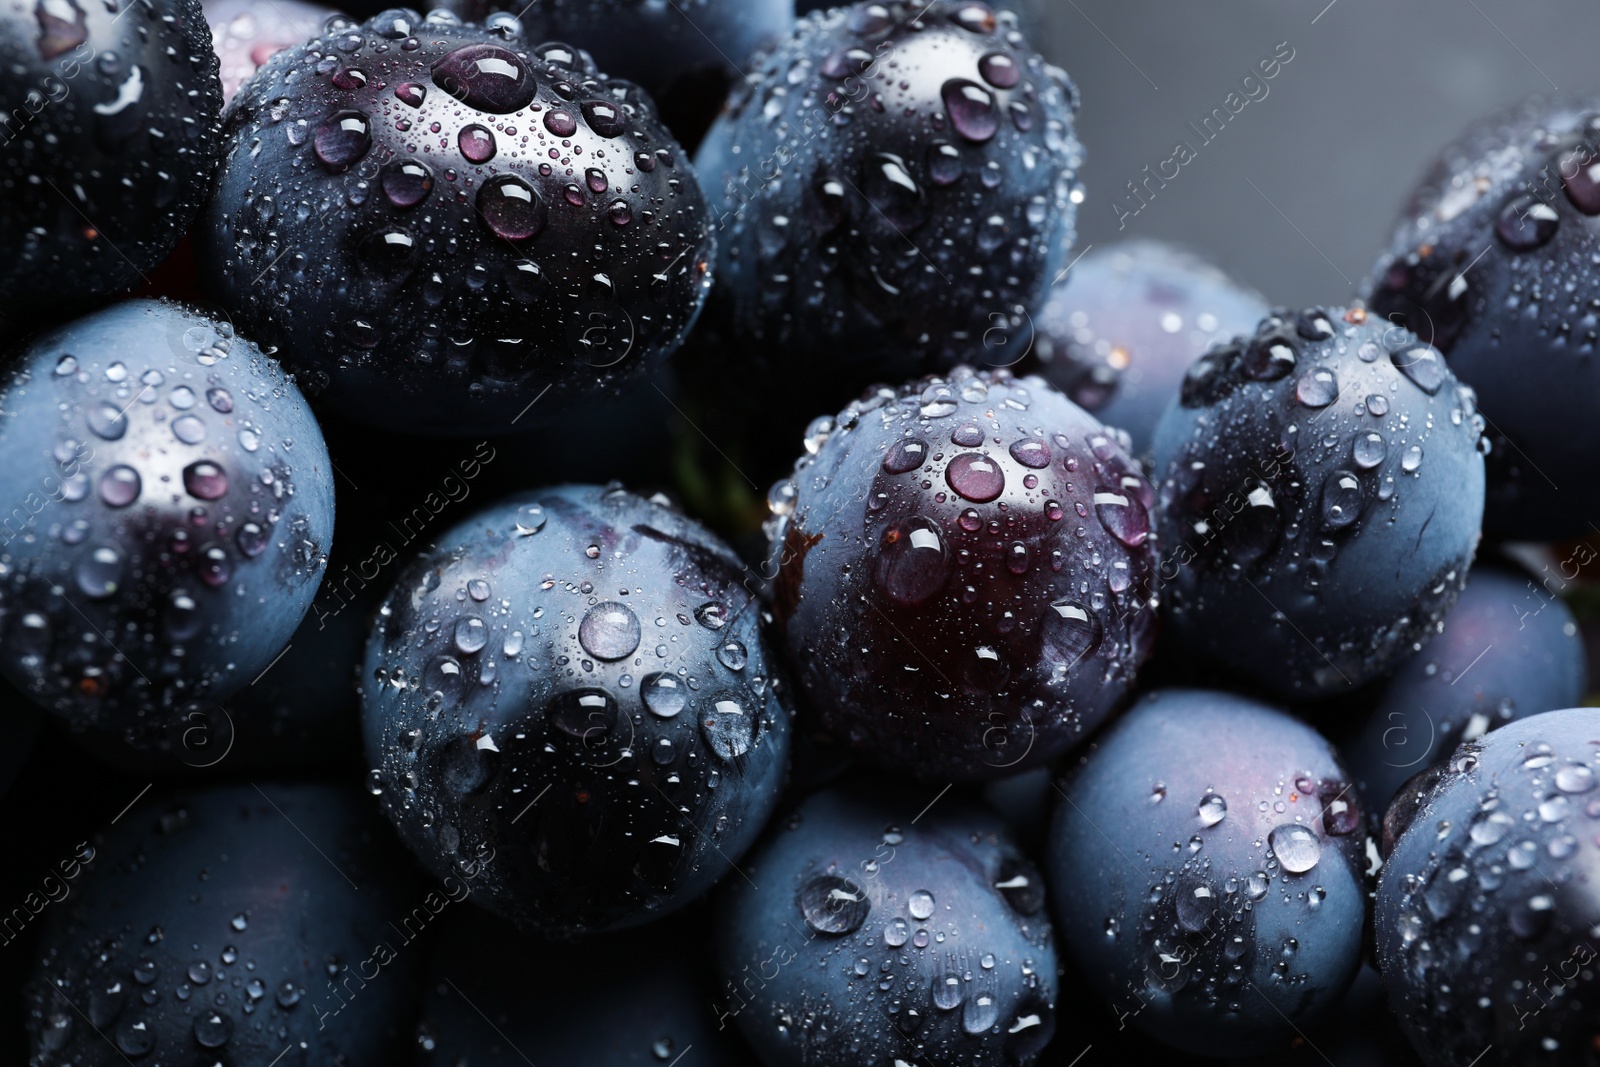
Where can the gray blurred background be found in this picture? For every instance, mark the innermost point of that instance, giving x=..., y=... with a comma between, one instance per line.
x=1375, y=89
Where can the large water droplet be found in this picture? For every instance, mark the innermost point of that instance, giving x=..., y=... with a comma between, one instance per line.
x=1212, y=809
x=975, y=477
x=214, y=566
x=843, y=63
x=1031, y=452
x=212, y=1029
x=205, y=480
x=971, y=108
x=135, y=1037
x=349, y=79
x=62, y=27
x=252, y=539
x=1527, y=223
x=1532, y=918
x=939, y=400
x=1490, y=828
x=886, y=181
x=1194, y=902
x=1423, y=364
x=999, y=70
x=560, y=122
x=1313, y=325
x=466, y=766
x=530, y=520
x=1342, y=500
x=406, y=183
x=1583, y=188
x=912, y=563
x=100, y=571
x=728, y=729
x=833, y=905
x=488, y=77
x=182, y=618
x=476, y=143
x=189, y=429
x=106, y=1003
x=1123, y=515
x=1071, y=632
x=906, y=454
x=1253, y=531
x=982, y=1011
x=471, y=634
x=342, y=140
x=948, y=991
x=389, y=254
x=120, y=486
x=944, y=163
x=512, y=208
x=605, y=118
x=609, y=631
x=664, y=695
x=590, y=715
x=1268, y=358
x=1296, y=847
x=975, y=18
x=107, y=420
x=1575, y=778
x=713, y=615
x=733, y=655
x=1019, y=883
x=1368, y=450
x=443, y=675
x=1339, y=814
x=1317, y=388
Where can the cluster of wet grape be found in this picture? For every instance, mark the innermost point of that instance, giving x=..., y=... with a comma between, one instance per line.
x=627, y=532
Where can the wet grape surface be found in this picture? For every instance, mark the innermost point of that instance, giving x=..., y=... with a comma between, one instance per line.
x=173, y=514
x=1321, y=494
x=577, y=683
x=437, y=223
x=965, y=573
